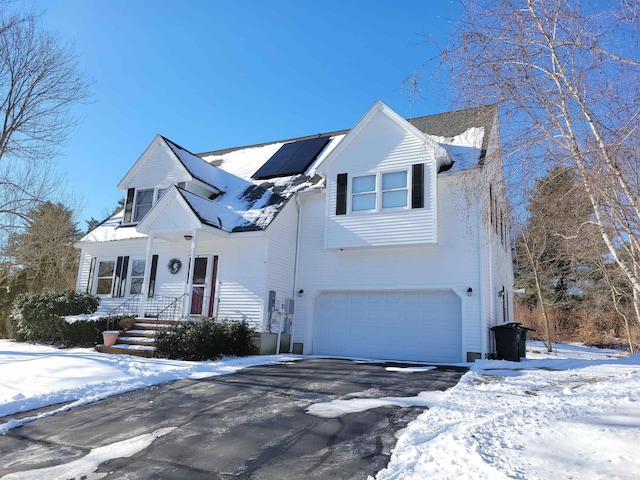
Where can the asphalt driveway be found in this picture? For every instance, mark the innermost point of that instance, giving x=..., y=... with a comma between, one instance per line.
x=252, y=424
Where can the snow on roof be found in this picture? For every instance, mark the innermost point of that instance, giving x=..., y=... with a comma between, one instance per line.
x=196, y=166
x=465, y=150
x=111, y=230
x=246, y=204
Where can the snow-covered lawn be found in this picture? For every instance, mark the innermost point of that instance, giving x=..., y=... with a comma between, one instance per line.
x=571, y=414
x=574, y=413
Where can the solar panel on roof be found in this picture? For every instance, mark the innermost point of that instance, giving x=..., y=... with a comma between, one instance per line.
x=292, y=158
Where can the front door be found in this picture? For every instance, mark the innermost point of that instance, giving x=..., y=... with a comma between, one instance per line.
x=203, y=285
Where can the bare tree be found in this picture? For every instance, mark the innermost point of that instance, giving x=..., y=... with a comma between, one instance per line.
x=548, y=246
x=39, y=84
x=565, y=77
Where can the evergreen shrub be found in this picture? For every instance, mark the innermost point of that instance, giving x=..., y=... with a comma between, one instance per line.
x=205, y=339
x=37, y=317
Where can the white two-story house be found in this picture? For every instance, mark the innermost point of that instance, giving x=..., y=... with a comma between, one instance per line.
x=388, y=240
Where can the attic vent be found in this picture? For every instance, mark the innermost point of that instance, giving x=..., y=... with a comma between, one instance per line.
x=292, y=158
x=181, y=185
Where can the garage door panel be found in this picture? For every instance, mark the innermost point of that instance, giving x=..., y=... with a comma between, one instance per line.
x=422, y=326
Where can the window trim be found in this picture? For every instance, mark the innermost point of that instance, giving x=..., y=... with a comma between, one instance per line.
x=379, y=192
x=131, y=276
x=98, y=277
x=131, y=205
x=127, y=277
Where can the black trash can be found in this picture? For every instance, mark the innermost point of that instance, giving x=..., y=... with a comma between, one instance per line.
x=511, y=341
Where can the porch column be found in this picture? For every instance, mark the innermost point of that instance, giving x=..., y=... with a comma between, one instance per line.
x=147, y=276
x=189, y=292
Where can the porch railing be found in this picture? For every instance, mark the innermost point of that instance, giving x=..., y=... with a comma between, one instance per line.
x=165, y=308
x=129, y=307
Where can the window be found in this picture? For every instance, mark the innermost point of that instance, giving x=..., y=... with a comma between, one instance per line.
x=394, y=190
x=379, y=192
x=139, y=202
x=363, y=193
x=137, y=277
x=144, y=202
x=105, y=277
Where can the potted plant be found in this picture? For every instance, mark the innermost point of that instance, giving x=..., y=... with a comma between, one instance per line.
x=110, y=337
x=127, y=323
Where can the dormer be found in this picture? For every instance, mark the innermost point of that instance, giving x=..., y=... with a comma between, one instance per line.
x=381, y=183
x=162, y=165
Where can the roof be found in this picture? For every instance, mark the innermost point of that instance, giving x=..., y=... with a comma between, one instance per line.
x=248, y=204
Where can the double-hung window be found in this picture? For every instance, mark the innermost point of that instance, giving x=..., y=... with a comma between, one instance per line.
x=394, y=190
x=380, y=191
x=144, y=202
x=136, y=277
x=139, y=202
x=363, y=193
x=106, y=270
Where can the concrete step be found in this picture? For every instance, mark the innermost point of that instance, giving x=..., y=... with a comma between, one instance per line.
x=151, y=326
x=140, y=339
x=127, y=340
x=140, y=333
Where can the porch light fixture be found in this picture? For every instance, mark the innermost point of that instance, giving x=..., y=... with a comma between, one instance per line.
x=300, y=292
x=188, y=237
x=469, y=291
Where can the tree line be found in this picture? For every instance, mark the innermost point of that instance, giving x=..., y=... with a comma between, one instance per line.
x=564, y=75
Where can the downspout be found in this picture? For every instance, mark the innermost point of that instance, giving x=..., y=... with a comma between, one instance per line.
x=295, y=266
x=489, y=289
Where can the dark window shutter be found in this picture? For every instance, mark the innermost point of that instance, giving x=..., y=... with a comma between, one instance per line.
x=128, y=206
x=123, y=277
x=152, y=276
x=491, y=204
x=115, y=288
x=417, y=186
x=341, y=194
x=122, y=264
x=92, y=269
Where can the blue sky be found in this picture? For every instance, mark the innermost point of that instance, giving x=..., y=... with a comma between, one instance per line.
x=218, y=74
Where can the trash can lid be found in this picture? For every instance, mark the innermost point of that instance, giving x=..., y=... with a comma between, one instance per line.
x=509, y=325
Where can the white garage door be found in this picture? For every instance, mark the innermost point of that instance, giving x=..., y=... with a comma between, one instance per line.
x=404, y=325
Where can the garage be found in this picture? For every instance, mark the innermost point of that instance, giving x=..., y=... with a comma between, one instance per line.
x=397, y=325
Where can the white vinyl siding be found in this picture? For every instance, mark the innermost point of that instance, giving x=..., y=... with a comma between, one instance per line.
x=453, y=264
x=386, y=151
x=281, y=255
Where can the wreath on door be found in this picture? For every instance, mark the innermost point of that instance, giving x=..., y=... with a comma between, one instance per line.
x=174, y=266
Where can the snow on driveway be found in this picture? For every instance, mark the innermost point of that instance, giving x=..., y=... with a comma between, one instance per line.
x=571, y=414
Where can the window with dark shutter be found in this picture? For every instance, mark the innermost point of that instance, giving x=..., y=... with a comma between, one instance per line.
x=341, y=194
x=417, y=186
x=152, y=276
x=128, y=206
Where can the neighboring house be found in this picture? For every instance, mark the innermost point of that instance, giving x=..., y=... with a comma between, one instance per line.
x=388, y=240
